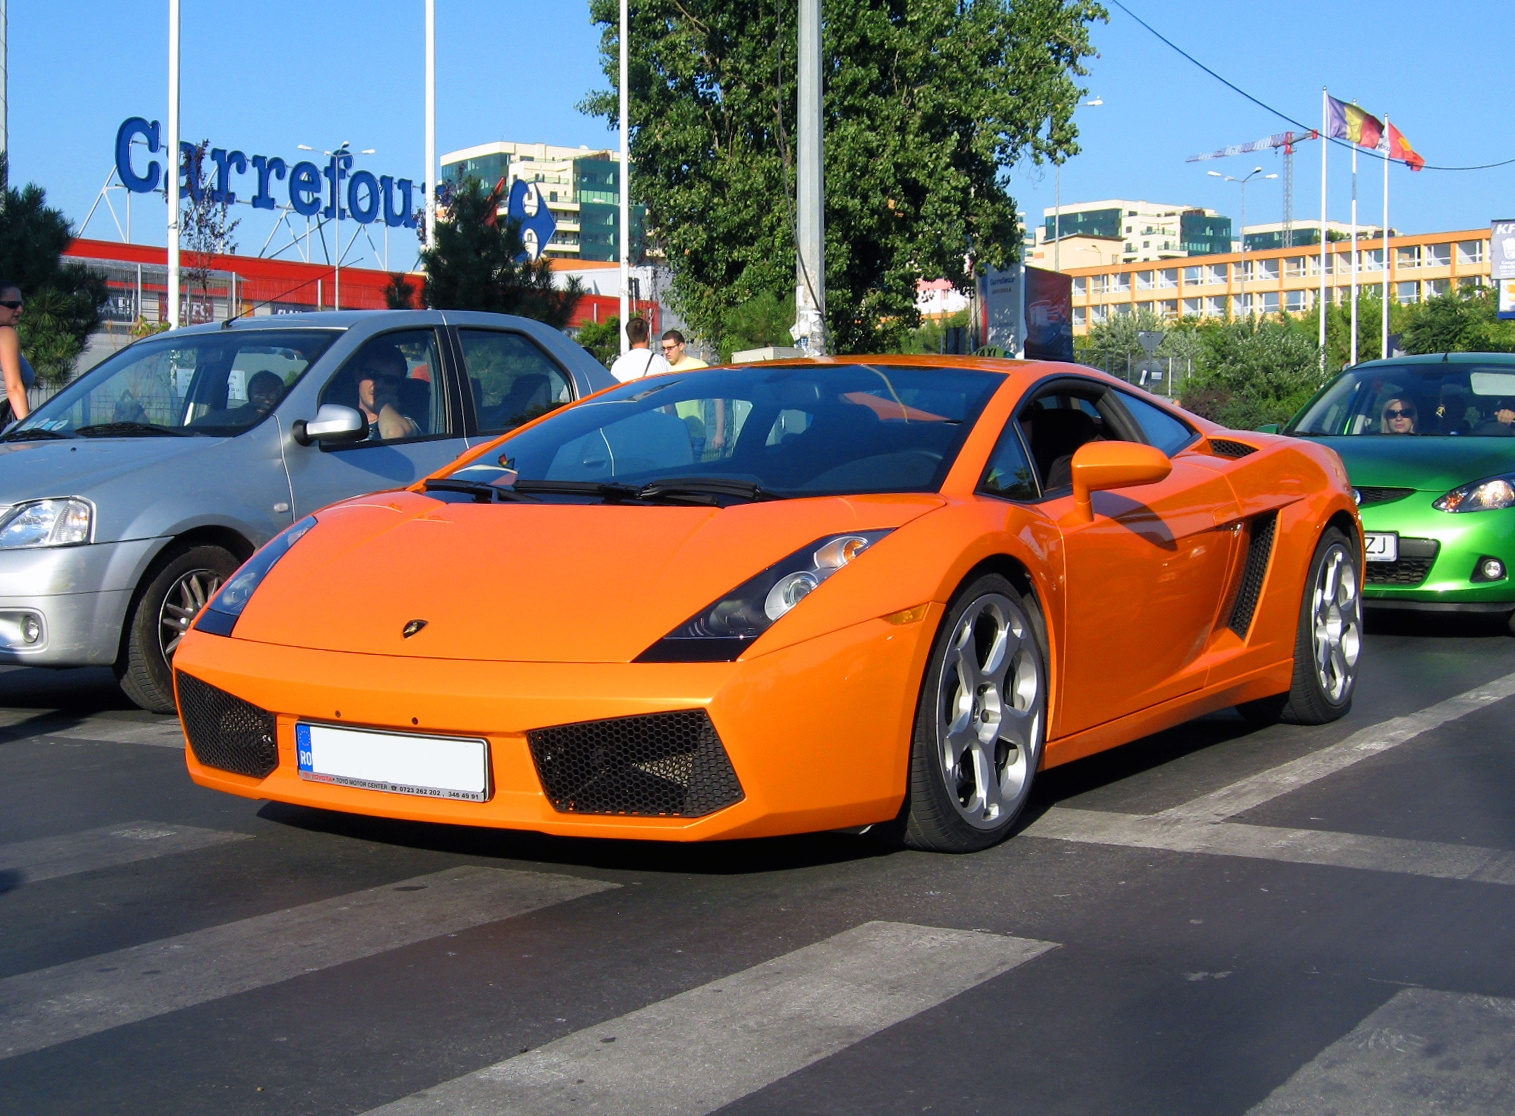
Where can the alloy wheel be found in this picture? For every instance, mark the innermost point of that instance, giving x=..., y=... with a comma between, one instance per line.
x=182, y=603
x=1336, y=623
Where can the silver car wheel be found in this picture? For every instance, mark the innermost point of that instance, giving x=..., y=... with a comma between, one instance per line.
x=183, y=602
x=1336, y=616
x=990, y=711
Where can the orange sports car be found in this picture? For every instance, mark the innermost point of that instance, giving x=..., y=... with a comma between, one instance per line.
x=781, y=598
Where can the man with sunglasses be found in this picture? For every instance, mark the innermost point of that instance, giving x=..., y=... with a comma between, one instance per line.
x=382, y=368
x=17, y=371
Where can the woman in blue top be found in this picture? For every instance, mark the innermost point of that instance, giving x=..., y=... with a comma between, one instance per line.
x=18, y=373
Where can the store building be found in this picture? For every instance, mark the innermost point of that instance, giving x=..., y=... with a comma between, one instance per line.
x=1147, y=230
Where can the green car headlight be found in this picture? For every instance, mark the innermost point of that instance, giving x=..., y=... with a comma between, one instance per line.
x=1483, y=495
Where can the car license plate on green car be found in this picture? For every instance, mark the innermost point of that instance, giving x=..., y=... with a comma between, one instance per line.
x=1381, y=546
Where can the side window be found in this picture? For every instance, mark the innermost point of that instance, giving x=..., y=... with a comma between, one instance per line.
x=1056, y=424
x=512, y=380
x=395, y=380
x=1159, y=427
x=1009, y=474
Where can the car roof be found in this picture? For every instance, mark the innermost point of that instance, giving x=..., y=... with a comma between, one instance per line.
x=1435, y=358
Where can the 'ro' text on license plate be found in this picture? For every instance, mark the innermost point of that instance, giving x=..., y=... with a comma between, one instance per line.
x=394, y=762
x=1381, y=547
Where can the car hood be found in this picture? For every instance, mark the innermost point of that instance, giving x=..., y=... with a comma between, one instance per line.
x=75, y=466
x=532, y=582
x=1426, y=464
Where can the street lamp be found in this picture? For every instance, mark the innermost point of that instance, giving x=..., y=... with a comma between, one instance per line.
x=340, y=158
x=1057, y=206
x=1242, y=182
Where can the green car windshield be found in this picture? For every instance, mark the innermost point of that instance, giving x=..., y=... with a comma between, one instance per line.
x=1430, y=398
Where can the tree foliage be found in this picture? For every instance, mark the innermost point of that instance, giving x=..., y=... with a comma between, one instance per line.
x=926, y=103
x=399, y=292
x=478, y=264
x=602, y=339
x=1466, y=322
x=205, y=228
x=64, y=299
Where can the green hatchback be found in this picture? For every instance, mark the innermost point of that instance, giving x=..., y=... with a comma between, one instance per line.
x=1429, y=444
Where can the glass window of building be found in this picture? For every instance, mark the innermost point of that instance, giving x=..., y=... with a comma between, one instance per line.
x=1267, y=302
x=1267, y=269
x=1408, y=256
x=1405, y=293
x=1168, y=279
x=1080, y=316
x=1168, y=308
x=1120, y=282
x=1372, y=259
x=1215, y=273
x=1437, y=287
x=1192, y=275
x=1470, y=251
x=1080, y=285
x=1144, y=280
x=1296, y=302
x=1121, y=309
x=1436, y=255
x=1215, y=306
x=1144, y=307
x=1192, y=307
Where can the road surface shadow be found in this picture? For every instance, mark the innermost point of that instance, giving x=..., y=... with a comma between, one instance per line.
x=79, y=691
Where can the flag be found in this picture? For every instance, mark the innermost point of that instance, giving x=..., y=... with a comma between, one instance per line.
x=1353, y=124
x=1399, y=148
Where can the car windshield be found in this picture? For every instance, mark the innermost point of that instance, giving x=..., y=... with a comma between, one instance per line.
x=754, y=432
x=1430, y=398
x=208, y=384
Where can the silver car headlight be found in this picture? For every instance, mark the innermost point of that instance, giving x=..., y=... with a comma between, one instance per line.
x=36, y=523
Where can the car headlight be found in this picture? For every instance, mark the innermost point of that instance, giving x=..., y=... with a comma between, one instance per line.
x=720, y=632
x=225, y=609
x=66, y=522
x=1484, y=495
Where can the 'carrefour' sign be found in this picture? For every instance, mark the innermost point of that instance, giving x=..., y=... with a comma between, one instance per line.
x=344, y=194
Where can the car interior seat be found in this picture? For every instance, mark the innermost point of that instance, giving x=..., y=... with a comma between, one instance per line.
x=1055, y=437
x=529, y=395
x=415, y=403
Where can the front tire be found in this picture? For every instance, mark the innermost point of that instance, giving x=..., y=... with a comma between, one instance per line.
x=161, y=614
x=1328, y=646
x=981, y=721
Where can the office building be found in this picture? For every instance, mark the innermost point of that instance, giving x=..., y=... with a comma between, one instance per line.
x=1147, y=230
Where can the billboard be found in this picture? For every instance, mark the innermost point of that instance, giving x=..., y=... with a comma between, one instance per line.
x=1049, y=315
x=1502, y=250
x=1001, y=296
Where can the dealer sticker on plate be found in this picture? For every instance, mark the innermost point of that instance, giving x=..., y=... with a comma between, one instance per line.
x=1381, y=546
x=394, y=762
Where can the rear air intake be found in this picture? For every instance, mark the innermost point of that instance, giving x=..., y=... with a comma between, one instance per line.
x=226, y=732
x=1259, y=551
x=655, y=765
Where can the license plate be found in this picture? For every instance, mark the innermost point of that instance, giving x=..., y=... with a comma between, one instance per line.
x=395, y=763
x=1381, y=546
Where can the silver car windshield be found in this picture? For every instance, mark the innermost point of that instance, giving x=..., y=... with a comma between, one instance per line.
x=206, y=384
x=1436, y=398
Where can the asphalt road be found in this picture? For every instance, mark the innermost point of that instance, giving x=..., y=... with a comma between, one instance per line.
x=1212, y=920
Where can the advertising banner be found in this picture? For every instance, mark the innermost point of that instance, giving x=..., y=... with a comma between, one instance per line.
x=1004, y=311
x=1502, y=250
x=1049, y=315
x=1507, y=298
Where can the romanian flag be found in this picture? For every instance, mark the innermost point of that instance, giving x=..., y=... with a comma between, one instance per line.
x=1353, y=124
x=1399, y=148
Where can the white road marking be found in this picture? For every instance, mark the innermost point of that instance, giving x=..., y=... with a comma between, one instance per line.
x=1423, y=1053
x=705, y=1048
x=50, y=1006
x=46, y=858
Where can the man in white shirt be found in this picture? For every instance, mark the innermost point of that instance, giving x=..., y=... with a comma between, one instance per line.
x=640, y=360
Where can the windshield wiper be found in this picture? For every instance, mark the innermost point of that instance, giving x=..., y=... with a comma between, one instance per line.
x=36, y=434
x=481, y=491
x=602, y=489
x=127, y=429
x=705, y=490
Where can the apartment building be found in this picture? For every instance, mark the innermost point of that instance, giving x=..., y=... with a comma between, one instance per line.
x=1228, y=285
x=1146, y=230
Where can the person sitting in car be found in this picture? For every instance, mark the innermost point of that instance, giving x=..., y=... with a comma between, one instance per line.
x=1399, y=416
x=382, y=368
x=1501, y=424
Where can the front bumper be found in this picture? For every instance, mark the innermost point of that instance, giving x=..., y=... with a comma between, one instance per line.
x=80, y=594
x=1463, y=539
x=818, y=733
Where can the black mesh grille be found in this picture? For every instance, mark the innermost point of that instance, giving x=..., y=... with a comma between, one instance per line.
x=656, y=765
x=226, y=732
x=1368, y=494
x=1416, y=557
x=1225, y=447
x=1259, y=550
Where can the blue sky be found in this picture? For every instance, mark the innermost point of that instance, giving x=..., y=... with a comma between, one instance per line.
x=267, y=76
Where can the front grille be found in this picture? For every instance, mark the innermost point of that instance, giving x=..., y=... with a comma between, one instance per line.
x=1369, y=494
x=653, y=765
x=1225, y=447
x=226, y=732
x=1259, y=550
x=1416, y=557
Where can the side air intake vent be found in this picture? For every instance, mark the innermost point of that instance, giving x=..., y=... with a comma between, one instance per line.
x=655, y=765
x=226, y=732
x=1225, y=447
x=1259, y=551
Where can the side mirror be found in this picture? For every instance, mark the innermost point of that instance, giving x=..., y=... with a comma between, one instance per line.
x=333, y=423
x=1098, y=466
x=1268, y=428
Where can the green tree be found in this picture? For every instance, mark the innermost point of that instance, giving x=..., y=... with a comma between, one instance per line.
x=400, y=292
x=927, y=104
x=1252, y=371
x=64, y=300
x=602, y=339
x=478, y=264
x=762, y=320
x=206, y=226
x=1464, y=322
x=927, y=337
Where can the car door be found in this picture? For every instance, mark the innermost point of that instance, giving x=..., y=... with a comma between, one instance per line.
x=419, y=425
x=510, y=379
x=1144, y=578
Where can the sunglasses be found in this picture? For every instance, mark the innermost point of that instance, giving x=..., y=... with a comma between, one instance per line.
x=669, y=346
x=11, y=303
x=1399, y=412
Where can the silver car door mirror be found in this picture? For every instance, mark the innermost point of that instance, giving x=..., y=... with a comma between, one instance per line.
x=333, y=423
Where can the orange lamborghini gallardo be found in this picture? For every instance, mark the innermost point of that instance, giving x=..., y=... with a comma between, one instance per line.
x=781, y=598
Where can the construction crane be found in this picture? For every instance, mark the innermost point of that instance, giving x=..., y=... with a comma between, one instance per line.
x=1284, y=140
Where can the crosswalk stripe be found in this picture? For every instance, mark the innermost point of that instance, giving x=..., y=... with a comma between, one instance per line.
x=49, y=1006
x=1373, y=740
x=705, y=1048
x=1295, y=846
x=46, y=858
x=1422, y=1052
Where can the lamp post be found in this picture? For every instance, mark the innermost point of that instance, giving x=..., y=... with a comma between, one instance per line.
x=340, y=158
x=1242, y=182
x=172, y=186
x=1057, y=206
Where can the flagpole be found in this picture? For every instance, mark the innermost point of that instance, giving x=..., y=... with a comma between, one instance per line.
x=1384, y=331
x=430, y=185
x=623, y=250
x=1354, y=253
x=1325, y=144
x=173, y=164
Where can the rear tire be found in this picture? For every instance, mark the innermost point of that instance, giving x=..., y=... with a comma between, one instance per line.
x=981, y=721
x=1328, y=646
x=161, y=614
